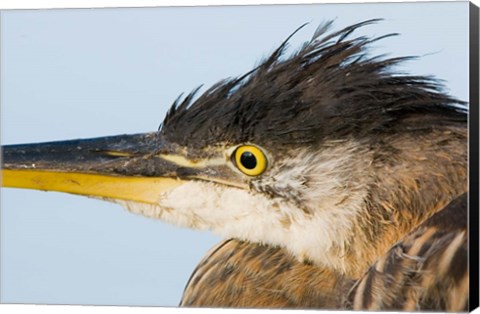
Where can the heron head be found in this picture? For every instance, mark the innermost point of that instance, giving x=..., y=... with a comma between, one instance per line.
x=287, y=154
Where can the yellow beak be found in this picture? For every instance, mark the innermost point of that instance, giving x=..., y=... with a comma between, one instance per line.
x=138, y=189
x=120, y=167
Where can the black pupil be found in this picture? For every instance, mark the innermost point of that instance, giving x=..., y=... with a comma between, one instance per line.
x=248, y=160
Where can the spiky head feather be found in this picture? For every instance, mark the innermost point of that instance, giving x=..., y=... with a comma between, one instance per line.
x=329, y=89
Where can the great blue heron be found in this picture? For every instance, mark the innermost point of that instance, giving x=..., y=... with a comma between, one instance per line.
x=330, y=174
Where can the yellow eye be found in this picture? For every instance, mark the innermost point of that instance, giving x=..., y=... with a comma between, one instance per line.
x=250, y=160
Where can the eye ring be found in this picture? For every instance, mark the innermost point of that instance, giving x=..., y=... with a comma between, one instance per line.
x=250, y=160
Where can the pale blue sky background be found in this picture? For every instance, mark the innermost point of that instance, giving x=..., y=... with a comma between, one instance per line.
x=83, y=73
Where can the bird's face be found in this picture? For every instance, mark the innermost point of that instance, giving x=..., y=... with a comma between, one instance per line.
x=279, y=197
x=240, y=190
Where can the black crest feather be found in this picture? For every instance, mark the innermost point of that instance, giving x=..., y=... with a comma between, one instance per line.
x=329, y=88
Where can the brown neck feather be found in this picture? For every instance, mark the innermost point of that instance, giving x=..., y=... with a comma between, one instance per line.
x=413, y=177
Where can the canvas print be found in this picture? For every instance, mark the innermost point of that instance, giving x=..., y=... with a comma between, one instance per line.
x=283, y=156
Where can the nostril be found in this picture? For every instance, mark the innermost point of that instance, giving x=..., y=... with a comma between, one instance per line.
x=112, y=153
